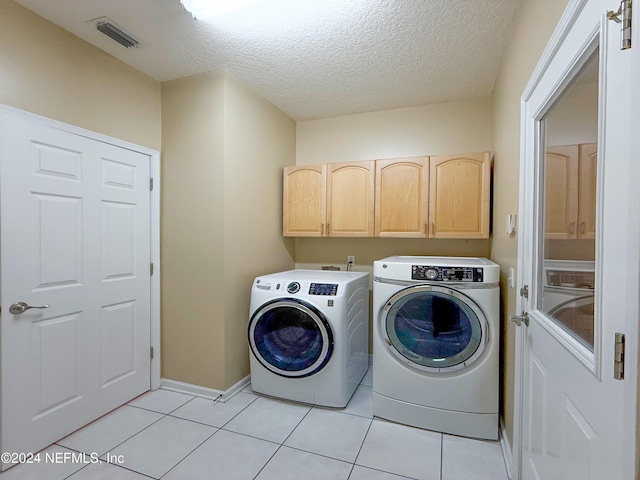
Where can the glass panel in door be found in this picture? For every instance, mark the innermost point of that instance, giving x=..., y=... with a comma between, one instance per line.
x=567, y=270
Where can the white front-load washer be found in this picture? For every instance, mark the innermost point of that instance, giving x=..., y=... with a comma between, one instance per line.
x=309, y=335
x=436, y=323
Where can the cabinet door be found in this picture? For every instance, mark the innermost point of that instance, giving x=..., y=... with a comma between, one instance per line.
x=401, y=197
x=587, y=191
x=459, y=195
x=304, y=201
x=350, y=199
x=561, y=192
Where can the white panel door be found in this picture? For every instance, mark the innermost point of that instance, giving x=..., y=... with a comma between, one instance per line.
x=573, y=409
x=75, y=235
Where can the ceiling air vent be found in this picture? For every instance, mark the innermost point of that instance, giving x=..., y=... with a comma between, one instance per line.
x=117, y=33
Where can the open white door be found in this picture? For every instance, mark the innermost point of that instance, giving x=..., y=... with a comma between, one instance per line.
x=75, y=236
x=578, y=283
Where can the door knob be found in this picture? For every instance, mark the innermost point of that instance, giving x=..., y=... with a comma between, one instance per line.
x=21, y=307
x=520, y=319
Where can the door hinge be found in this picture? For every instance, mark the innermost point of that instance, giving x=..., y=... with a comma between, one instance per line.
x=618, y=360
x=151, y=353
x=524, y=291
x=151, y=184
x=623, y=17
x=151, y=269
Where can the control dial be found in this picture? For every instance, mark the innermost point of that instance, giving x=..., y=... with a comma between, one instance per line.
x=431, y=274
x=293, y=287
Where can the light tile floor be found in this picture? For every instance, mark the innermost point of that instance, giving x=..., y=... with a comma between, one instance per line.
x=171, y=436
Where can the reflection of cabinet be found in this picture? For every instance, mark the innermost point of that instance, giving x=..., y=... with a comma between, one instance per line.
x=459, y=196
x=401, y=197
x=570, y=192
x=329, y=200
x=587, y=169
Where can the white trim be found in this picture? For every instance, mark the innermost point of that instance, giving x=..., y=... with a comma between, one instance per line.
x=629, y=437
x=506, y=449
x=188, y=388
x=236, y=388
x=154, y=170
x=205, y=392
x=573, y=346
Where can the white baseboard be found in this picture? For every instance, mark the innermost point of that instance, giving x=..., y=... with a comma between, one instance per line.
x=506, y=450
x=235, y=388
x=205, y=392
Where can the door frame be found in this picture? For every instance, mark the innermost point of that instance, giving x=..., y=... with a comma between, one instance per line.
x=528, y=152
x=154, y=216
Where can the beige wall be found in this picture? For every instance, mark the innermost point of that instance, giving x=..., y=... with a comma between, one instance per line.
x=454, y=127
x=47, y=70
x=192, y=241
x=224, y=148
x=533, y=25
x=259, y=142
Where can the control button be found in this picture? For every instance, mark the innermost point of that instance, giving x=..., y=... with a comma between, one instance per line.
x=293, y=287
x=432, y=274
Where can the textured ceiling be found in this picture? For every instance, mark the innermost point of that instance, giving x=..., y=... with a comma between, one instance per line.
x=313, y=58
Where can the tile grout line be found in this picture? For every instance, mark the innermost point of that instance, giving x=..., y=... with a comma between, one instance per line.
x=267, y=462
x=207, y=424
x=184, y=458
x=441, y=454
x=281, y=445
x=373, y=468
x=101, y=462
x=250, y=436
x=164, y=415
x=117, y=445
x=361, y=445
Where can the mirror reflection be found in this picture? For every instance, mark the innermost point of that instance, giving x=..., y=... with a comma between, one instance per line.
x=569, y=205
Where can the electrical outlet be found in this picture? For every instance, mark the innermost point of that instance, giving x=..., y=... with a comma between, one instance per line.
x=351, y=259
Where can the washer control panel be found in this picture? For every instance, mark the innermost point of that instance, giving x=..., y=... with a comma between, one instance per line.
x=327, y=289
x=446, y=274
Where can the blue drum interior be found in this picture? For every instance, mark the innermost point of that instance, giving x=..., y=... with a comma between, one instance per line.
x=433, y=329
x=289, y=339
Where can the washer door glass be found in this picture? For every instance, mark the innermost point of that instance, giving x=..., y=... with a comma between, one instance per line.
x=434, y=328
x=290, y=337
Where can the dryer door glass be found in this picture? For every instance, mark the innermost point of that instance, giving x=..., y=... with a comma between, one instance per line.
x=290, y=338
x=434, y=328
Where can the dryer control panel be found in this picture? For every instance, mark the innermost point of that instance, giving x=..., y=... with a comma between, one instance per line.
x=446, y=274
x=329, y=289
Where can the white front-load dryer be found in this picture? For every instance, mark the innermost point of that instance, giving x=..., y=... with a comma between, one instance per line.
x=436, y=323
x=309, y=335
